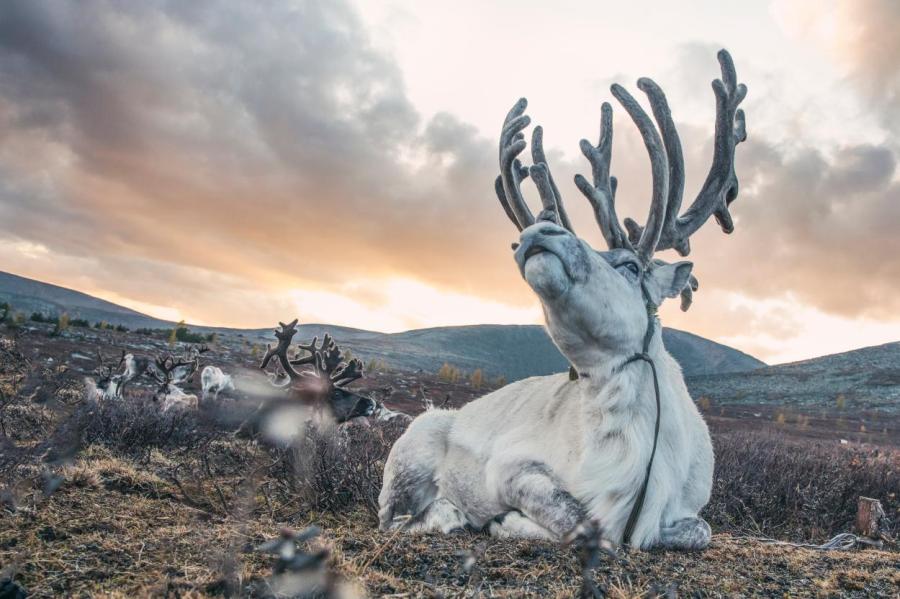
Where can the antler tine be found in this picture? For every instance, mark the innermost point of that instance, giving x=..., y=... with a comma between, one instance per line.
x=348, y=373
x=512, y=143
x=649, y=239
x=284, y=336
x=332, y=356
x=549, y=192
x=721, y=185
x=313, y=351
x=675, y=157
x=602, y=194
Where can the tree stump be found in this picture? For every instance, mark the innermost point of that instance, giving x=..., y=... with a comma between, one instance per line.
x=869, y=514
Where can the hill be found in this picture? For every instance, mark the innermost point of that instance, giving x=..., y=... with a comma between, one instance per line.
x=28, y=296
x=862, y=379
x=511, y=351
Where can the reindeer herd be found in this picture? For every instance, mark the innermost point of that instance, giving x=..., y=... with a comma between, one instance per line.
x=167, y=372
x=315, y=375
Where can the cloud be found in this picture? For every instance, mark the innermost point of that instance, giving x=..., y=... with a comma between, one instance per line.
x=230, y=160
x=270, y=143
x=861, y=37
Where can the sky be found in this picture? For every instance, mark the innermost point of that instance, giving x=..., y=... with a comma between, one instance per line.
x=236, y=163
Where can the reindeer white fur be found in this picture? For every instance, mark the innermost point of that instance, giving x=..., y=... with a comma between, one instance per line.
x=385, y=414
x=174, y=397
x=543, y=456
x=214, y=381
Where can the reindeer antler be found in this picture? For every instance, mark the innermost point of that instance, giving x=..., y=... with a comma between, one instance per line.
x=103, y=371
x=284, y=335
x=327, y=359
x=721, y=185
x=512, y=173
x=166, y=365
x=664, y=228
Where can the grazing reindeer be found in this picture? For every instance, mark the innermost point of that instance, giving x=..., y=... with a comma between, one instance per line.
x=169, y=393
x=617, y=441
x=324, y=386
x=214, y=381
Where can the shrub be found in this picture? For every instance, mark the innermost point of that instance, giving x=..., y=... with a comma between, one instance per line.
x=336, y=469
x=185, y=335
x=767, y=484
x=377, y=365
x=477, y=378
x=80, y=323
x=449, y=373
x=39, y=317
x=62, y=324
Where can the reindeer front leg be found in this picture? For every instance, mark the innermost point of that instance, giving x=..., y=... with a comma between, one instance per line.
x=529, y=487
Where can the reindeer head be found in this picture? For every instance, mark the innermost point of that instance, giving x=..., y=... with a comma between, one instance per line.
x=597, y=303
x=169, y=372
x=324, y=385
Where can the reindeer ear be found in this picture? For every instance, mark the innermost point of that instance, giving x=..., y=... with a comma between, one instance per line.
x=667, y=280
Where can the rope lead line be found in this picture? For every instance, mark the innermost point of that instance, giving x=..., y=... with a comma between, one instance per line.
x=644, y=356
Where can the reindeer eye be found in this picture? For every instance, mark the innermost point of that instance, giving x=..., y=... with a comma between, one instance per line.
x=631, y=267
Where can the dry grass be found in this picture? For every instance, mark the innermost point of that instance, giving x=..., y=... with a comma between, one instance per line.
x=117, y=529
x=152, y=504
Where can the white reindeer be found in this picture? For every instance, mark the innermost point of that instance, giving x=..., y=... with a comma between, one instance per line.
x=174, y=397
x=214, y=381
x=106, y=385
x=135, y=367
x=545, y=456
x=169, y=394
x=385, y=414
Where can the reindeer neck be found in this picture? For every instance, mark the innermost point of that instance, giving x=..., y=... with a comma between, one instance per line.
x=618, y=382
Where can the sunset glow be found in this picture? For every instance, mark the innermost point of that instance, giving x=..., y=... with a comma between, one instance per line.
x=245, y=163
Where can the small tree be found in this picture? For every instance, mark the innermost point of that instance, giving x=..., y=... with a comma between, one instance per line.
x=5, y=311
x=841, y=401
x=173, y=335
x=448, y=373
x=376, y=365
x=62, y=323
x=500, y=381
x=477, y=378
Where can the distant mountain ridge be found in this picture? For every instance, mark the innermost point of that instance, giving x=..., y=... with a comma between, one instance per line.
x=861, y=379
x=512, y=351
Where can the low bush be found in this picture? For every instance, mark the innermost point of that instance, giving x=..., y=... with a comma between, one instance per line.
x=766, y=484
x=336, y=469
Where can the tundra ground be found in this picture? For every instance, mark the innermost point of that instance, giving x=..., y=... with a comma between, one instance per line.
x=124, y=501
